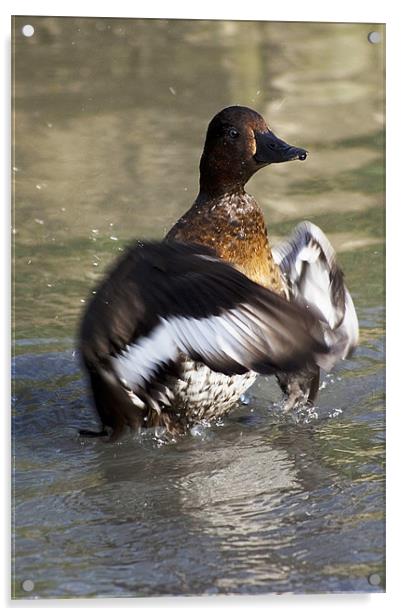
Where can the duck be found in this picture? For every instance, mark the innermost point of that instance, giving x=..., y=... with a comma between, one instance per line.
x=178, y=329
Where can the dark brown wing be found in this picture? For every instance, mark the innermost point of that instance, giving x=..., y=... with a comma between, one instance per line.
x=163, y=300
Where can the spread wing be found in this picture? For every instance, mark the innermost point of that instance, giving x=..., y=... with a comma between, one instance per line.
x=165, y=300
x=308, y=264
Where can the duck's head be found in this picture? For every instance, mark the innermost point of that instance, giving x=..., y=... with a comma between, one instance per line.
x=239, y=143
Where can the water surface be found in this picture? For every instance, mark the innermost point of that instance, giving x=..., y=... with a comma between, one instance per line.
x=110, y=117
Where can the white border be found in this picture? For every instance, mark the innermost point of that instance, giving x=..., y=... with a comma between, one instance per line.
x=378, y=11
x=368, y=11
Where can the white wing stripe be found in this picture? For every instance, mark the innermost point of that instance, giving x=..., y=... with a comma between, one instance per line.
x=227, y=336
x=309, y=251
x=141, y=360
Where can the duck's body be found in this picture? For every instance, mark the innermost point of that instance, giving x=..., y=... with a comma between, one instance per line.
x=204, y=395
x=233, y=225
x=177, y=332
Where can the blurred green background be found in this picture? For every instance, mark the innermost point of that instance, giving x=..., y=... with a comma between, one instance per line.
x=109, y=123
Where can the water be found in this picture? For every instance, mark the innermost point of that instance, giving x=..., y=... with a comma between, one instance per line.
x=110, y=121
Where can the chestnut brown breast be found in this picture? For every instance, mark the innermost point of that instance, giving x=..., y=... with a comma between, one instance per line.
x=233, y=224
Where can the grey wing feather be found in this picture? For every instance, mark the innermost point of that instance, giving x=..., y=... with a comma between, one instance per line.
x=308, y=265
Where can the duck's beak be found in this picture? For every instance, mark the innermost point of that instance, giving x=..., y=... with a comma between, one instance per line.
x=271, y=149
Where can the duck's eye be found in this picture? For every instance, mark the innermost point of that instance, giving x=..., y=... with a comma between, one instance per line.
x=233, y=133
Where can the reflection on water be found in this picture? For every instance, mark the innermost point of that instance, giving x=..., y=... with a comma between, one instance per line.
x=110, y=117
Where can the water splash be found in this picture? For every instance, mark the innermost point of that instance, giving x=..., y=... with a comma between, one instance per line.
x=335, y=413
x=245, y=399
x=200, y=431
x=307, y=415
